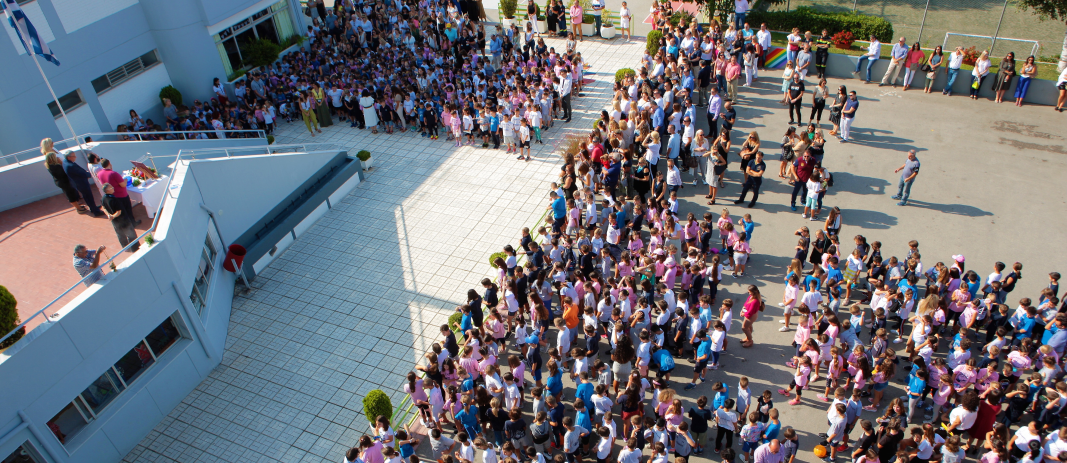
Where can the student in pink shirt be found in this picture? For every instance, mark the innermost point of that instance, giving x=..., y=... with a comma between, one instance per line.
x=753, y=305
x=741, y=252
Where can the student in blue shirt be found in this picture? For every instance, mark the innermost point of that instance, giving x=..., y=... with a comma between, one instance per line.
x=748, y=225
x=722, y=392
x=916, y=386
x=665, y=364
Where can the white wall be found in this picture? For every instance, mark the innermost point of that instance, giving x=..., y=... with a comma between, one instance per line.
x=140, y=94
x=242, y=190
x=81, y=118
x=76, y=14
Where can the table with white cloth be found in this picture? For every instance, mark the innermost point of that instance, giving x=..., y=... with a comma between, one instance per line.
x=149, y=193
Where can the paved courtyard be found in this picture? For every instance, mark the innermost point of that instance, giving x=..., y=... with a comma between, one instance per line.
x=353, y=305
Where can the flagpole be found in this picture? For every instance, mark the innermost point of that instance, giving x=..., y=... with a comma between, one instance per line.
x=33, y=56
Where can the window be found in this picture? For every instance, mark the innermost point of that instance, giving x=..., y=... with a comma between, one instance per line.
x=69, y=101
x=25, y=453
x=203, y=275
x=273, y=23
x=125, y=72
x=88, y=405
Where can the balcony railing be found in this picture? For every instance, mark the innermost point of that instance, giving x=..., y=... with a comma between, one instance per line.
x=183, y=155
x=26, y=155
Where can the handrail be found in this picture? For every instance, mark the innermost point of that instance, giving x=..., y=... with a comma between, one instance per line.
x=188, y=155
x=185, y=135
x=155, y=223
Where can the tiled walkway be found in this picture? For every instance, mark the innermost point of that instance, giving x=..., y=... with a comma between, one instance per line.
x=351, y=306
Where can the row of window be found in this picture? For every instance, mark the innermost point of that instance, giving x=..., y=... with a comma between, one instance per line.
x=88, y=405
x=107, y=81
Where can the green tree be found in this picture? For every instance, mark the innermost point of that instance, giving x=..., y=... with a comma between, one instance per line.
x=1049, y=9
x=9, y=318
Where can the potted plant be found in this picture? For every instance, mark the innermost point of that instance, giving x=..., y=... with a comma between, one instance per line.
x=970, y=56
x=588, y=29
x=364, y=157
x=542, y=22
x=270, y=139
x=507, y=12
x=607, y=29
x=623, y=73
x=496, y=255
x=149, y=239
x=9, y=318
x=376, y=404
x=843, y=40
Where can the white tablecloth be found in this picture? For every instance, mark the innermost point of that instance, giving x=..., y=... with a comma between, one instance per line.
x=150, y=194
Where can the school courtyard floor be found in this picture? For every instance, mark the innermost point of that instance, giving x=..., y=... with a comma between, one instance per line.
x=352, y=307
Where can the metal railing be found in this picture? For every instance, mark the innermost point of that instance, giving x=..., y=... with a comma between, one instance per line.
x=25, y=155
x=186, y=155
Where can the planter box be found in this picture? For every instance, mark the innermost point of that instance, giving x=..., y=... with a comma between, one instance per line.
x=542, y=25
x=368, y=164
x=588, y=30
x=608, y=32
x=506, y=23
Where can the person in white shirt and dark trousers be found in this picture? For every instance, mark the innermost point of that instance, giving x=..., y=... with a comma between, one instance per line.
x=874, y=51
x=564, y=89
x=896, y=62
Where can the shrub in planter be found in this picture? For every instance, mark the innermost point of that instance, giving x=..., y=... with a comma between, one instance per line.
x=679, y=16
x=149, y=239
x=9, y=318
x=376, y=404
x=363, y=155
x=172, y=94
x=861, y=25
x=507, y=8
x=652, y=42
x=621, y=74
x=496, y=255
x=270, y=139
x=454, y=322
x=843, y=40
x=262, y=52
x=587, y=19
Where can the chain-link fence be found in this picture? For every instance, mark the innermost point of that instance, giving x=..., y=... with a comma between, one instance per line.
x=928, y=22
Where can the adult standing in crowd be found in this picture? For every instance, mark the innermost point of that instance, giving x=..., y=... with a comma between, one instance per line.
x=120, y=221
x=1005, y=74
x=763, y=38
x=1061, y=84
x=933, y=65
x=59, y=177
x=87, y=263
x=896, y=62
x=740, y=11
x=912, y=64
x=79, y=179
x=754, y=171
x=979, y=73
x=1026, y=75
x=848, y=115
x=955, y=61
x=908, y=172
x=822, y=53
x=107, y=175
x=576, y=20
x=796, y=98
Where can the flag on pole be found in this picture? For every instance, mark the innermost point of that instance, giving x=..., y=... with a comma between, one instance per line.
x=25, y=30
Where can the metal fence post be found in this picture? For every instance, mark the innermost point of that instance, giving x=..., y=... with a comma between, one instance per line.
x=997, y=33
x=921, y=26
x=855, y=3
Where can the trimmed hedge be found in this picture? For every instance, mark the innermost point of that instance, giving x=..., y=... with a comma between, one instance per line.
x=807, y=19
x=376, y=404
x=652, y=42
x=621, y=74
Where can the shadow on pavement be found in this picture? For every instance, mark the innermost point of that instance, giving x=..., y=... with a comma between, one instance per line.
x=868, y=219
x=957, y=209
x=857, y=184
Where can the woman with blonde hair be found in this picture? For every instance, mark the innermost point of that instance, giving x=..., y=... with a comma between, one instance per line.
x=54, y=165
x=978, y=75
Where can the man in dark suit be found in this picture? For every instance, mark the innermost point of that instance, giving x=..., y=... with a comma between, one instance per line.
x=79, y=179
